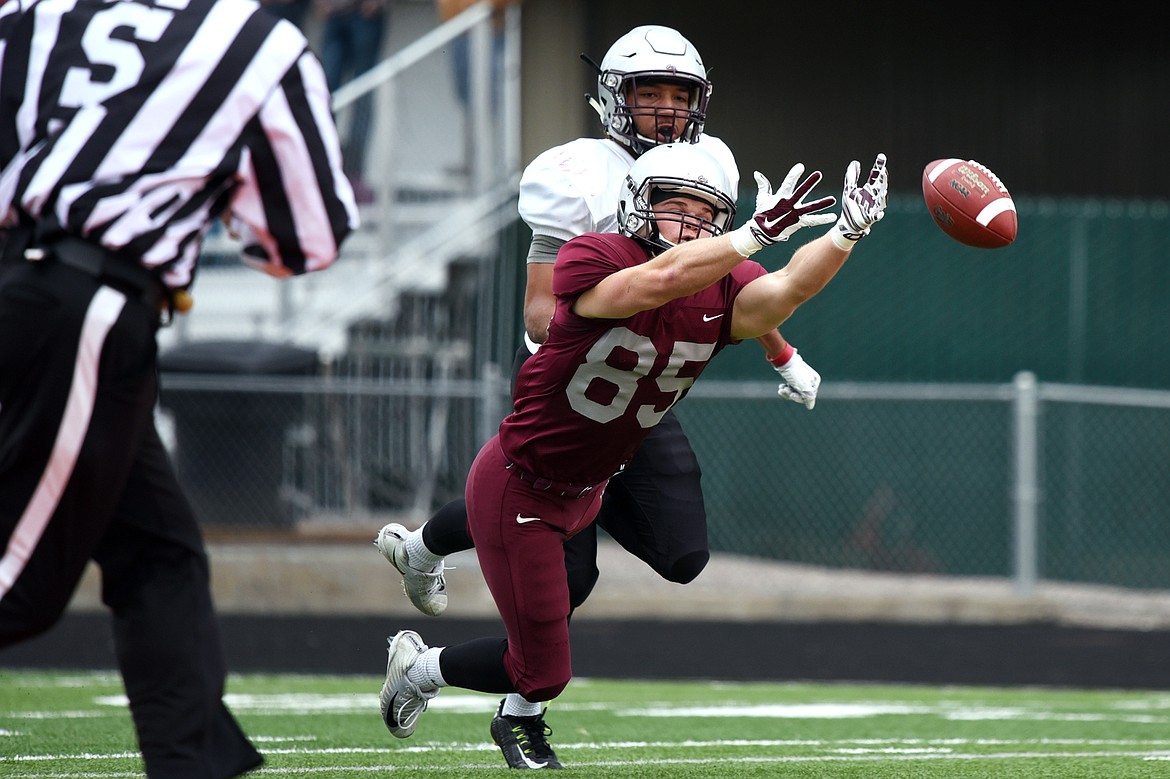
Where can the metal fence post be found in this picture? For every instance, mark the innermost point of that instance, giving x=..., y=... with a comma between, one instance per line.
x=1026, y=489
x=491, y=403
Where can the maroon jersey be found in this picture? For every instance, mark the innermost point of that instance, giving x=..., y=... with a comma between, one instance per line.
x=593, y=390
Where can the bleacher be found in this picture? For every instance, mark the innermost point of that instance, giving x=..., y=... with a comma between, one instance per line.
x=443, y=188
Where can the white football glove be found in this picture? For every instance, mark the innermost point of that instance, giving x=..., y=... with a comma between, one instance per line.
x=801, y=381
x=861, y=206
x=781, y=213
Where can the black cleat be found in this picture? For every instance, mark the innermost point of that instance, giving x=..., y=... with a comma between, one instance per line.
x=524, y=740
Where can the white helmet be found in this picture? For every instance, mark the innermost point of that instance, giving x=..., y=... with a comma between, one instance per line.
x=667, y=170
x=655, y=53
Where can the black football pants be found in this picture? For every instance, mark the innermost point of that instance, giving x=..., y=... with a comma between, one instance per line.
x=84, y=475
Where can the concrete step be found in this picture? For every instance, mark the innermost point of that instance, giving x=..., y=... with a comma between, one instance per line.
x=327, y=572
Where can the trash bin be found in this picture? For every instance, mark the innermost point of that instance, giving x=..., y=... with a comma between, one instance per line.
x=229, y=441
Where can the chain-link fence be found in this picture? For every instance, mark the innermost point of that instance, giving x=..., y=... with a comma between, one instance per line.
x=922, y=454
x=941, y=478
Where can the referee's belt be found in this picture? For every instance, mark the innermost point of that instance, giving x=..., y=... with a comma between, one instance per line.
x=559, y=488
x=105, y=265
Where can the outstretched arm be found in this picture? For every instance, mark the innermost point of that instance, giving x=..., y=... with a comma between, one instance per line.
x=695, y=265
x=769, y=300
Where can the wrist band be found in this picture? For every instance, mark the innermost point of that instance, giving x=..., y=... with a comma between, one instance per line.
x=743, y=241
x=782, y=359
x=840, y=241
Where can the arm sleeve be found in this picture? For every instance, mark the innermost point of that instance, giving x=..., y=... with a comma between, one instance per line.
x=294, y=206
x=543, y=249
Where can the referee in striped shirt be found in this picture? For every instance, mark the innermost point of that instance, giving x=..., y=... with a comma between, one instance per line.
x=126, y=128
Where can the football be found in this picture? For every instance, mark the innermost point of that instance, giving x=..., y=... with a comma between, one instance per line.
x=969, y=203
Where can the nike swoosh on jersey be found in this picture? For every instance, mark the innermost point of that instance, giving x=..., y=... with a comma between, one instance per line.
x=711, y=318
x=520, y=520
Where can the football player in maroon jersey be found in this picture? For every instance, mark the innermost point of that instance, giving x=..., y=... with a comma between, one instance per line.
x=639, y=315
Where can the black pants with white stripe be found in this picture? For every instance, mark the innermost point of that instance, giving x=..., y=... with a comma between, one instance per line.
x=84, y=475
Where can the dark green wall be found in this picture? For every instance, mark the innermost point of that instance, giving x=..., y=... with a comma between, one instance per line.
x=1081, y=296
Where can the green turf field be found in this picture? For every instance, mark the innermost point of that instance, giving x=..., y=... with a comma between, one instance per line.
x=55, y=724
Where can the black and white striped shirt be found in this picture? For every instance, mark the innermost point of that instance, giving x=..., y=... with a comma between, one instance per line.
x=137, y=123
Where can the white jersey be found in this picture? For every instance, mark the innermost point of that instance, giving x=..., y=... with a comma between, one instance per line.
x=574, y=188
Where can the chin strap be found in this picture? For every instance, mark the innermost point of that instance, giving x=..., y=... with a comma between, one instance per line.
x=595, y=105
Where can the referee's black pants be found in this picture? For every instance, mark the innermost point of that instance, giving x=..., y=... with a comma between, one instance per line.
x=84, y=475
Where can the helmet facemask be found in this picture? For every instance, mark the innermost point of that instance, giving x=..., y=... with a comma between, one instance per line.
x=650, y=54
x=623, y=126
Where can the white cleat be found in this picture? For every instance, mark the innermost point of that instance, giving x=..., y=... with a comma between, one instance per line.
x=403, y=701
x=427, y=590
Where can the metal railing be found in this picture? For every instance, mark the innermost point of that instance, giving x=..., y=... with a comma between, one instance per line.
x=437, y=199
x=491, y=135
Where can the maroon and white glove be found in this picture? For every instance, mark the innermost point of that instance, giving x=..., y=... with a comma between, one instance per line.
x=781, y=213
x=861, y=206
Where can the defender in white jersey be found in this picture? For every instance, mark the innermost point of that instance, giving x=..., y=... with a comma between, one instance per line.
x=652, y=89
x=569, y=191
